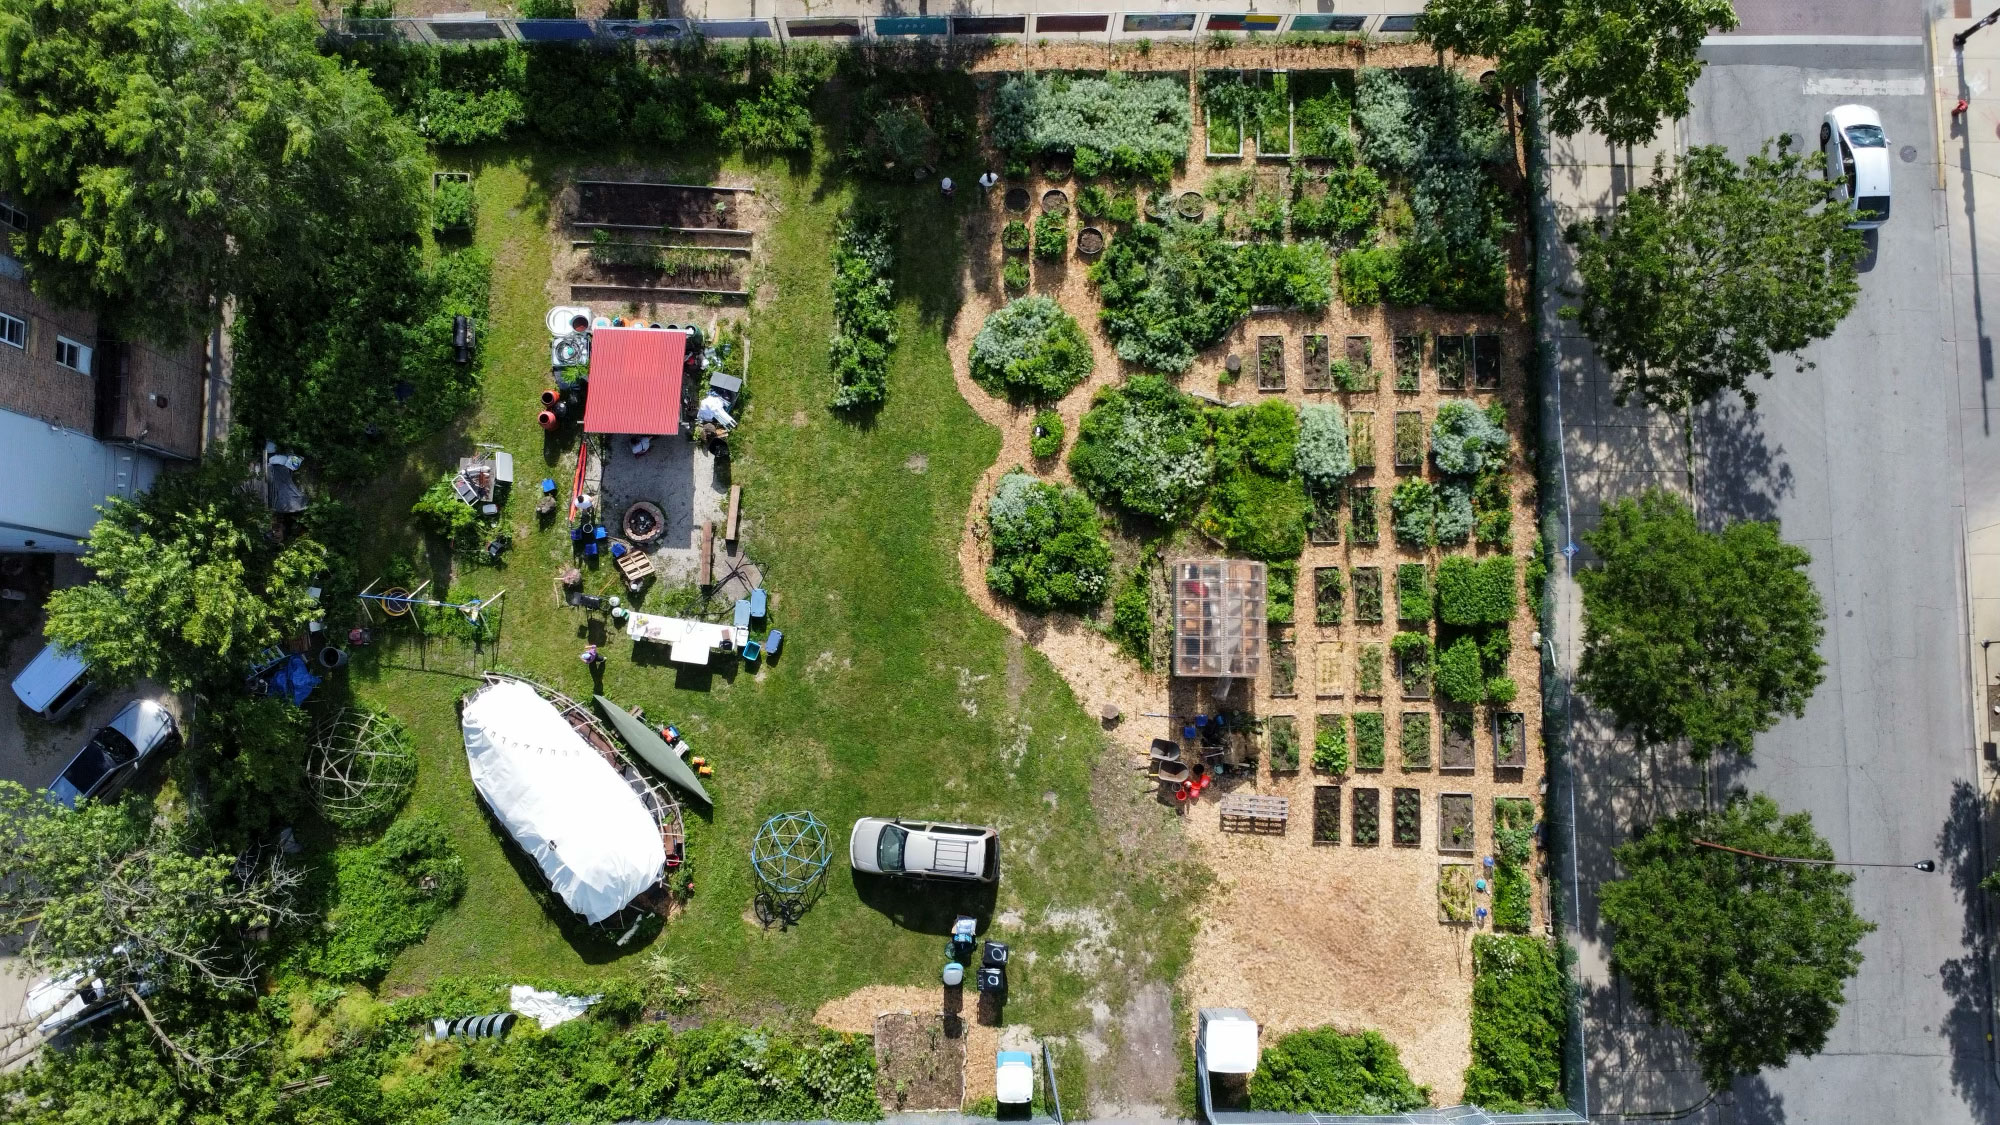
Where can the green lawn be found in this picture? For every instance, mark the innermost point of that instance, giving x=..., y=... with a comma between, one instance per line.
x=894, y=694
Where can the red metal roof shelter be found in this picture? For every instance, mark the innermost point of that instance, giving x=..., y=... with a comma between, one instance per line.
x=635, y=381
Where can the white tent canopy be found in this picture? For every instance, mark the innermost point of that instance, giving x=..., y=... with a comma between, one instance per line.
x=560, y=801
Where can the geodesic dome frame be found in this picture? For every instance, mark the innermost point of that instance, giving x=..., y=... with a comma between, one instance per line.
x=361, y=767
x=790, y=854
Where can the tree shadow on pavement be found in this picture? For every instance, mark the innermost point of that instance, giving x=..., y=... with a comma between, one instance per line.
x=1753, y=1102
x=1964, y=979
x=1741, y=477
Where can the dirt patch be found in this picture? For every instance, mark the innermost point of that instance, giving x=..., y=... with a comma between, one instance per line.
x=856, y=1011
x=918, y=1065
x=1143, y=1069
x=917, y=462
x=658, y=205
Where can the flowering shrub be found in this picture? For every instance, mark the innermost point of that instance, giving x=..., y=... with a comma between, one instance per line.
x=1119, y=124
x=1143, y=447
x=1031, y=350
x=1466, y=439
x=1324, y=459
x=1048, y=545
x=864, y=318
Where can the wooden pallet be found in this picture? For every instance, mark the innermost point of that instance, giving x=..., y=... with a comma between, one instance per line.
x=636, y=566
x=1248, y=812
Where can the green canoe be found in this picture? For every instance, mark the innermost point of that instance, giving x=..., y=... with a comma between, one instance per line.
x=647, y=743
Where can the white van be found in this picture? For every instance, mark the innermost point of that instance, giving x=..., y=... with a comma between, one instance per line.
x=54, y=683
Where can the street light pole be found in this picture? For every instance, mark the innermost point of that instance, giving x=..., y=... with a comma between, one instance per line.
x=1920, y=865
x=1958, y=41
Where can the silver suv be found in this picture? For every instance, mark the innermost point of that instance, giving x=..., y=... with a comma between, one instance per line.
x=924, y=849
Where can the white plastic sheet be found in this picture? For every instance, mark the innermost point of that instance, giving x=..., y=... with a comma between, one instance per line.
x=548, y=1008
x=560, y=801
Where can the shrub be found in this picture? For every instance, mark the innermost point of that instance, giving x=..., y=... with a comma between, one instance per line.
x=1454, y=513
x=1518, y=1015
x=1051, y=236
x=1459, y=677
x=1323, y=456
x=455, y=207
x=1281, y=589
x=1466, y=440
x=385, y=897
x=1348, y=209
x=1320, y=1070
x=1330, y=744
x=441, y=512
x=1492, y=510
x=1476, y=593
x=1092, y=201
x=1258, y=505
x=1125, y=125
x=1413, y=512
x=1124, y=208
x=1048, y=436
x=1132, y=619
x=1500, y=689
x=1366, y=275
x=1294, y=275
x=1415, y=655
x=775, y=120
x=1168, y=290
x=1413, y=592
x=1015, y=275
x=1143, y=448
x=1030, y=350
x=1048, y=545
x=1369, y=739
x=864, y=318
x=1014, y=236
x=1425, y=117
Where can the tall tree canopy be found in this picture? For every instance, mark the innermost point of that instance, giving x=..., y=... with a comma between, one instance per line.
x=1748, y=956
x=188, y=586
x=1706, y=636
x=1701, y=276
x=1617, y=66
x=173, y=154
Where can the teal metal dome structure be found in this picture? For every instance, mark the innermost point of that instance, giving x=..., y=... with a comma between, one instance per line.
x=790, y=854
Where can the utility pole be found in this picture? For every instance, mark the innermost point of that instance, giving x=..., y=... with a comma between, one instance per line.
x=1920, y=865
x=1958, y=41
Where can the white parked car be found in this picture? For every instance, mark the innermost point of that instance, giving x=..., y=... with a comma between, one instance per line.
x=114, y=753
x=60, y=1005
x=924, y=849
x=1857, y=162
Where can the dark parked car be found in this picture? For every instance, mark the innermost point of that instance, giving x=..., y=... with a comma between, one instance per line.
x=114, y=753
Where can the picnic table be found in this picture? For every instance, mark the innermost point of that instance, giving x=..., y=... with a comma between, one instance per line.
x=690, y=642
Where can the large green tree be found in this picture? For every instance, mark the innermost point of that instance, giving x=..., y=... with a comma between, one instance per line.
x=1700, y=635
x=1706, y=273
x=1617, y=66
x=189, y=584
x=112, y=890
x=1750, y=957
x=176, y=154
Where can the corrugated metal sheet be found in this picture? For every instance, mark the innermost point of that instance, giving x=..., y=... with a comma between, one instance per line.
x=635, y=381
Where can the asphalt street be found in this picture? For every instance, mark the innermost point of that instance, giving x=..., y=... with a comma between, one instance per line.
x=1860, y=460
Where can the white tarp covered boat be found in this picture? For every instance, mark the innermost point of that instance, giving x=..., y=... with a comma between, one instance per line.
x=560, y=800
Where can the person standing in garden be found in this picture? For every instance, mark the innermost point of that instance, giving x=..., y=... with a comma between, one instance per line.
x=945, y=187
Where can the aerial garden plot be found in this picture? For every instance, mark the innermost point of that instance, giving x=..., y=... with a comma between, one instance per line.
x=680, y=467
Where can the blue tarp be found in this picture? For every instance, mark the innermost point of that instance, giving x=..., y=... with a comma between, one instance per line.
x=294, y=680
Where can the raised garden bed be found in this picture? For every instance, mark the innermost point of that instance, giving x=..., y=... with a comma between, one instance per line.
x=1367, y=817
x=1055, y=201
x=1456, y=755
x=656, y=206
x=1159, y=205
x=1090, y=242
x=1414, y=739
x=1016, y=199
x=1368, y=595
x=1192, y=205
x=1409, y=363
x=1317, y=370
x=1409, y=439
x=1270, y=363
x=1361, y=438
x=1513, y=846
x=1329, y=669
x=1282, y=733
x=1364, y=524
x=1329, y=595
x=1326, y=814
x=618, y=262
x=1370, y=741
x=1413, y=593
x=1284, y=667
x=1510, y=741
x=1331, y=752
x=1408, y=824
x=1454, y=892
x=1368, y=669
x=1274, y=117
x=1361, y=358
x=1456, y=832
x=1486, y=363
x=1324, y=530
x=1448, y=354
x=1416, y=664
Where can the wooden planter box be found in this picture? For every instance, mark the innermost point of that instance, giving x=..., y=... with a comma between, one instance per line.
x=1457, y=754
x=1448, y=358
x=1414, y=739
x=1281, y=733
x=1486, y=363
x=1364, y=524
x=1318, y=366
x=1330, y=669
x=1326, y=814
x=1409, y=363
x=1408, y=823
x=1267, y=143
x=1409, y=439
x=1270, y=363
x=1510, y=741
x=1367, y=817
x=1457, y=834
x=1416, y=685
x=1284, y=667
x=1324, y=530
x=1368, y=670
x=1329, y=595
x=1368, y=595
x=1361, y=438
x=1454, y=893
x=1370, y=741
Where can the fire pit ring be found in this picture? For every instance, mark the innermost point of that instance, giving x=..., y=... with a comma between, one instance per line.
x=644, y=522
